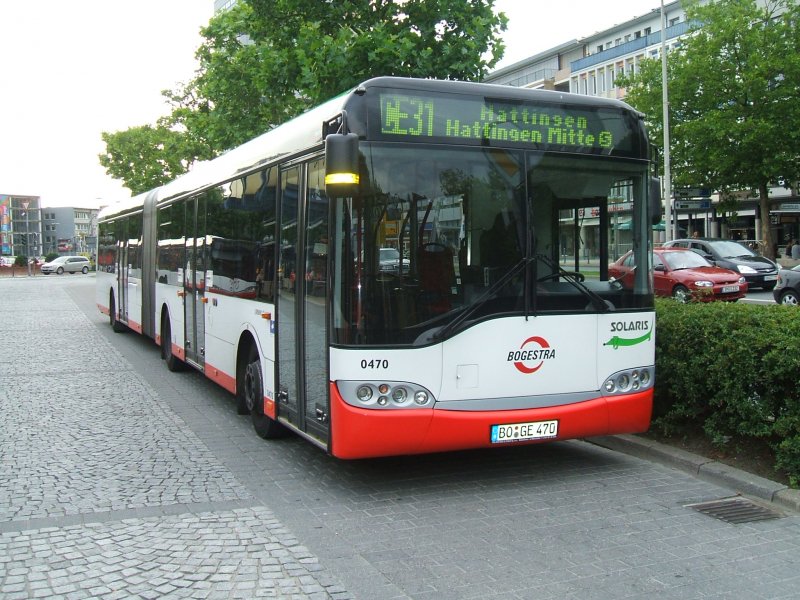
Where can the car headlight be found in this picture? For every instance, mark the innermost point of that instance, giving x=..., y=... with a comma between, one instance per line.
x=746, y=269
x=704, y=283
x=742, y=280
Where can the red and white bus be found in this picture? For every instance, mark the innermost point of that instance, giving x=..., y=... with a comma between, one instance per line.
x=414, y=266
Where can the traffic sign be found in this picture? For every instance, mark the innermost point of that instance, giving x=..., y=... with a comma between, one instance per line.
x=692, y=192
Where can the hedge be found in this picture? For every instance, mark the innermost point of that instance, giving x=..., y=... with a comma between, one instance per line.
x=734, y=370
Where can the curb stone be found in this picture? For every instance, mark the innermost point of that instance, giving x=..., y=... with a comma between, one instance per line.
x=708, y=469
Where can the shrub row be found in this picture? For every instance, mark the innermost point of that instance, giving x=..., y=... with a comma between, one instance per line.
x=734, y=370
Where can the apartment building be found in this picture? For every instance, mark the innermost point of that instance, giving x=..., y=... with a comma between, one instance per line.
x=591, y=66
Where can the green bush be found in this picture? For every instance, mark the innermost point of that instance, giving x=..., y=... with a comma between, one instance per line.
x=732, y=369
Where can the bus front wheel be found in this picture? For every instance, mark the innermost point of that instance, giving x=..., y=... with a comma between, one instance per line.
x=265, y=427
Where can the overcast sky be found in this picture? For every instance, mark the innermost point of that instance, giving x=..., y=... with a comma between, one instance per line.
x=71, y=70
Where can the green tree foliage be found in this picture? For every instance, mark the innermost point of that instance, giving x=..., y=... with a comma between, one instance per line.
x=733, y=99
x=146, y=157
x=266, y=61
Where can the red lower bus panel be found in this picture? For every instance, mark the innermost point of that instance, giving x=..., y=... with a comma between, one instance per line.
x=363, y=433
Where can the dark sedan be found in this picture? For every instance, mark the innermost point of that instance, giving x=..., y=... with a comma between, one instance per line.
x=788, y=289
x=684, y=275
x=759, y=272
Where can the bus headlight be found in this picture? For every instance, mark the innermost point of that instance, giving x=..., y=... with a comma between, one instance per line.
x=385, y=394
x=399, y=394
x=627, y=381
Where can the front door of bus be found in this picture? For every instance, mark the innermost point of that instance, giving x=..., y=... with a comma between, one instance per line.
x=194, y=282
x=302, y=361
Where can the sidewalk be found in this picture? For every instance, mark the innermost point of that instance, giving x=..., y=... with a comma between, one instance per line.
x=707, y=469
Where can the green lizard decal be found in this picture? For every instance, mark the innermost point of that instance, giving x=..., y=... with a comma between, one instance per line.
x=617, y=341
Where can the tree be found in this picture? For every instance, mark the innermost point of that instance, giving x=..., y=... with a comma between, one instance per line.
x=146, y=157
x=733, y=99
x=266, y=61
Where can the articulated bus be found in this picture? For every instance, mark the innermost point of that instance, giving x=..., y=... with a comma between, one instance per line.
x=414, y=266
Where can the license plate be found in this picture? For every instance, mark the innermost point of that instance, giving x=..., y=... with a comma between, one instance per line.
x=770, y=277
x=519, y=432
x=726, y=289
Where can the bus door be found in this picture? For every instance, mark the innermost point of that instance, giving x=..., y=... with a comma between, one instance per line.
x=302, y=359
x=194, y=282
x=122, y=272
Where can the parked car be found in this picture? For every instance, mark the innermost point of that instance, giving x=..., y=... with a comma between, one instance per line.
x=788, y=289
x=760, y=272
x=66, y=264
x=389, y=261
x=684, y=275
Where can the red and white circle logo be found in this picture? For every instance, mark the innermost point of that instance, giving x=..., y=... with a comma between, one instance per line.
x=531, y=355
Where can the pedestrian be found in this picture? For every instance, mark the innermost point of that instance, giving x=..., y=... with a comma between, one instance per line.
x=788, y=250
x=796, y=250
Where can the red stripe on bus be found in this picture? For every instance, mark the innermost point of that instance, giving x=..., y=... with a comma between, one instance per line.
x=221, y=378
x=363, y=433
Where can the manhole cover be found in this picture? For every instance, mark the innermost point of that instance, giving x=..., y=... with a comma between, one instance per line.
x=736, y=510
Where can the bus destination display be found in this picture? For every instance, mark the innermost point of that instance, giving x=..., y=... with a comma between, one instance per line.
x=482, y=119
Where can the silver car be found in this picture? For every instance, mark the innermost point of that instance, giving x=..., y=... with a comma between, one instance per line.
x=66, y=264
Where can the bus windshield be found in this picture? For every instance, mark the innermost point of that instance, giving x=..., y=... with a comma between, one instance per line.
x=440, y=238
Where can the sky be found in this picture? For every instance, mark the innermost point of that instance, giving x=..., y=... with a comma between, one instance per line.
x=72, y=70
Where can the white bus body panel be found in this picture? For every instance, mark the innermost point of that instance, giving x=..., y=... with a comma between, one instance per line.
x=168, y=295
x=513, y=357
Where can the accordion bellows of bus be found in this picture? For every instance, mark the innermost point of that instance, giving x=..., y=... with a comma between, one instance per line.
x=414, y=266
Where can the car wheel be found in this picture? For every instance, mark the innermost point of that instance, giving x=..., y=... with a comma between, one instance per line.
x=681, y=294
x=253, y=390
x=60, y=271
x=112, y=316
x=85, y=270
x=789, y=297
x=173, y=363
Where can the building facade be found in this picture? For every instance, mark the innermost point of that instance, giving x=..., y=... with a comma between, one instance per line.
x=20, y=225
x=70, y=230
x=591, y=66
x=27, y=229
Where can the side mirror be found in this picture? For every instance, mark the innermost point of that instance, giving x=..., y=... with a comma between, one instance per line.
x=659, y=268
x=341, y=164
x=655, y=200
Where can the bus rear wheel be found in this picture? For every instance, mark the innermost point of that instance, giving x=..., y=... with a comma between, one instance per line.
x=253, y=390
x=173, y=362
x=112, y=315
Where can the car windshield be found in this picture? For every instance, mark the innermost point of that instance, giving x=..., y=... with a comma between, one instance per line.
x=684, y=260
x=390, y=254
x=728, y=249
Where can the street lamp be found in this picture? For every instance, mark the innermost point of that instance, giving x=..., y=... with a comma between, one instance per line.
x=665, y=108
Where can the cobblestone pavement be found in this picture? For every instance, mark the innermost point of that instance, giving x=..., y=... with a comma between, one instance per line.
x=104, y=491
x=119, y=479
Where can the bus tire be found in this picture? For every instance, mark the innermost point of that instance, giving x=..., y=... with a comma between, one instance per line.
x=173, y=363
x=253, y=387
x=116, y=326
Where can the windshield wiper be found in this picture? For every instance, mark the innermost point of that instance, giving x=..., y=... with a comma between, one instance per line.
x=600, y=304
x=482, y=299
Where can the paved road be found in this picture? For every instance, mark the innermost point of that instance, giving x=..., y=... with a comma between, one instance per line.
x=121, y=480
